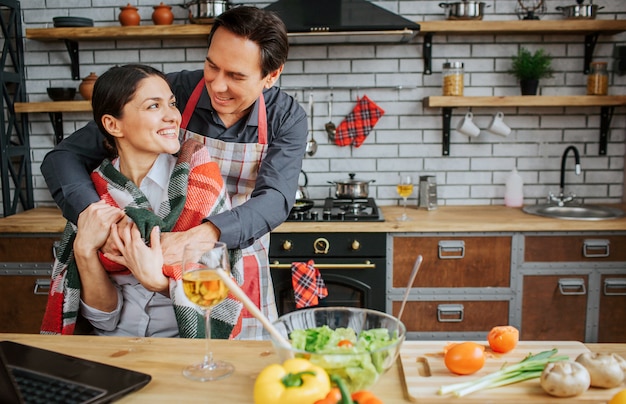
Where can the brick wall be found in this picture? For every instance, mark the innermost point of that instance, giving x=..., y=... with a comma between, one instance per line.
x=408, y=137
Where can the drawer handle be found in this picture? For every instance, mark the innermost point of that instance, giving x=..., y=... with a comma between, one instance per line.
x=596, y=248
x=451, y=249
x=450, y=313
x=614, y=283
x=572, y=287
x=365, y=265
x=42, y=287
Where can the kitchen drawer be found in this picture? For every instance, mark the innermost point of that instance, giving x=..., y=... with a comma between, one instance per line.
x=24, y=302
x=467, y=262
x=574, y=248
x=17, y=248
x=612, y=327
x=554, y=307
x=453, y=316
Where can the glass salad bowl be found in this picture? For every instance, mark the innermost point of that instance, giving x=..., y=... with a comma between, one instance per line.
x=357, y=345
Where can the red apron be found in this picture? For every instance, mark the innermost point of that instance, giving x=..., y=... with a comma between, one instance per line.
x=239, y=164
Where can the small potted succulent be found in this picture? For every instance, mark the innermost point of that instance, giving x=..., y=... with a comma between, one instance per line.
x=529, y=67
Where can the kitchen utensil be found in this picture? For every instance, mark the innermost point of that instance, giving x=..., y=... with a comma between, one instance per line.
x=464, y=10
x=580, y=11
x=61, y=93
x=331, y=128
x=428, y=192
x=205, y=11
x=302, y=205
x=530, y=9
x=352, y=188
x=424, y=371
x=311, y=145
x=497, y=125
x=241, y=295
x=72, y=22
x=302, y=192
x=416, y=267
x=467, y=126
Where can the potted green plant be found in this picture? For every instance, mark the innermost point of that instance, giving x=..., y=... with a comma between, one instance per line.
x=529, y=67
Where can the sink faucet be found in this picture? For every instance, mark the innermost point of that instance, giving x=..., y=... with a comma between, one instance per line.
x=561, y=200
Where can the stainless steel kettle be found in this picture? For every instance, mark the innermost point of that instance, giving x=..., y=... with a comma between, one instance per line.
x=301, y=192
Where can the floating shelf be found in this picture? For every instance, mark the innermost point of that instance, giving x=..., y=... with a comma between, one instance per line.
x=607, y=104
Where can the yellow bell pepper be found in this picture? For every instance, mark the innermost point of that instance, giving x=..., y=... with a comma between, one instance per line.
x=296, y=381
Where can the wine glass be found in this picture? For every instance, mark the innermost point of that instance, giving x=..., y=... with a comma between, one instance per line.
x=404, y=189
x=204, y=288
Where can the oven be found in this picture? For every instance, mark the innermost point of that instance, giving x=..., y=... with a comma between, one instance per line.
x=352, y=266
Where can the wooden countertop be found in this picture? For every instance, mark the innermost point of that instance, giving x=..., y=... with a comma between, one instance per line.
x=163, y=358
x=444, y=219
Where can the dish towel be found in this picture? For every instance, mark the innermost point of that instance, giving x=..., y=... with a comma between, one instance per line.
x=308, y=285
x=357, y=125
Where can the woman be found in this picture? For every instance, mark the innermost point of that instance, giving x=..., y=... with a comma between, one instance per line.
x=129, y=294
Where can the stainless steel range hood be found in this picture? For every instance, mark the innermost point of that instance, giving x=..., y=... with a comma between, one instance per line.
x=342, y=21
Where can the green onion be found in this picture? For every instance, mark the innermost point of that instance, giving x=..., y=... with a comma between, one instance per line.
x=530, y=367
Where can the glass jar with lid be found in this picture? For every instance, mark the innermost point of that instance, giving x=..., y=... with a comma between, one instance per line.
x=453, y=75
x=598, y=79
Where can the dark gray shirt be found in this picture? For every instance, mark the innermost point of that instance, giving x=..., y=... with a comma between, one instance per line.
x=66, y=168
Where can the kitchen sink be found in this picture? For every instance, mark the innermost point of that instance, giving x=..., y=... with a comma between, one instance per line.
x=574, y=212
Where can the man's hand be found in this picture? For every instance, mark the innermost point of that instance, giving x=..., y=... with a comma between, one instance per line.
x=94, y=224
x=174, y=243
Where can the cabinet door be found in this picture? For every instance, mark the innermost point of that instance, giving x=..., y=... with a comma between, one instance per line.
x=554, y=307
x=453, y=262
x=453, y=316
x=23, y=303
x=612, y=315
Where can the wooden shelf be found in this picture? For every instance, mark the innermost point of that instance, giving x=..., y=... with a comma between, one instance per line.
x=53, y=106
x=608, y=27
x=119, y=32
x=526, y=101
x=606, y=103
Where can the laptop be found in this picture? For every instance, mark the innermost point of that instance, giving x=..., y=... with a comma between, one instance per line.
x=23, y=370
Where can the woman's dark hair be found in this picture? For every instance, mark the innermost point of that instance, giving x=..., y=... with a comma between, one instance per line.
x=113, y=90
x=265, y=28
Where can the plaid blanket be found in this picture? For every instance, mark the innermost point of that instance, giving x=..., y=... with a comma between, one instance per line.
x=196, y=190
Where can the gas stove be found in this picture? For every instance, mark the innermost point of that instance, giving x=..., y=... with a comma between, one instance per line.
x=340, y=210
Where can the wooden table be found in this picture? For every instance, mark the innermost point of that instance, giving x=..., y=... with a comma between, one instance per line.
x=164, y=358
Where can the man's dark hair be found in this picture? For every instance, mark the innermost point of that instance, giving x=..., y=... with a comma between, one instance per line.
x=260, y=26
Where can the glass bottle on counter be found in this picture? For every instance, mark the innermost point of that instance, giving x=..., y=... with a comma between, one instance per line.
x=453, y=78
x=598, y=79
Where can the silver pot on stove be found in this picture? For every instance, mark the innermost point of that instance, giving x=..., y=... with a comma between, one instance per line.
x=352, y=188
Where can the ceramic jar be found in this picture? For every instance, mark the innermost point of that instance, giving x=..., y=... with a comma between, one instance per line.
x=86, y=86
x=162, y=15
x=129, y=15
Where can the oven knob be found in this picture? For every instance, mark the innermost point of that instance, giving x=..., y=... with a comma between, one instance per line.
x=287, y=246
x=315, y=215
x=326, y=214
x=342, y=215
x=356, y=245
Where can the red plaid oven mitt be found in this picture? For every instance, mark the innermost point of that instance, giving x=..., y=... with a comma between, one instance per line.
x=308, y=285
x=358, y=124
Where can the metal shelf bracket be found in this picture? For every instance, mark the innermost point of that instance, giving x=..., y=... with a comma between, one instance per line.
x=72, y=48
x=606, y=114
x=446, y=115
x=590, y=44
x=57, y=125
x=427, y=53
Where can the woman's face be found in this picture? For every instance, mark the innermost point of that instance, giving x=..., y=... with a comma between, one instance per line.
x=232, y=73
x=150, y=120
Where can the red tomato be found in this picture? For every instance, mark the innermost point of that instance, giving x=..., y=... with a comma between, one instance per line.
x=345, y=343
x=465, y=358
x=503, y=339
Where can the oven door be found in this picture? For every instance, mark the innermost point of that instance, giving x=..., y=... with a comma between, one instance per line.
x=350, y=282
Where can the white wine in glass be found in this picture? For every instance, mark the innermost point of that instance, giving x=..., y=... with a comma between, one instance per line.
x=404, y=189
x=204, y=287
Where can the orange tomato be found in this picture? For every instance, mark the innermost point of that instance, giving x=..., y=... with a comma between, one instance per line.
x=503, y=339
x=465, y=358
x=345, y=343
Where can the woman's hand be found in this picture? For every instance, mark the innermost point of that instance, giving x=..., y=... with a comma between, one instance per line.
x=145, y=263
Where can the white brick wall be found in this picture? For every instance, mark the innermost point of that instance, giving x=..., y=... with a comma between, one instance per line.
x=408, y=136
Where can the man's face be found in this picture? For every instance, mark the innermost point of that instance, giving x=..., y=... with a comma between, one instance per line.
x=232, y=73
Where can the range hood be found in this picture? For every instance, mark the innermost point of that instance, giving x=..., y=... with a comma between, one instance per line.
x=342, y=21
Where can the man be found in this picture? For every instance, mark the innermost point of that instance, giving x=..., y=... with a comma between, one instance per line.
x=255, y=132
